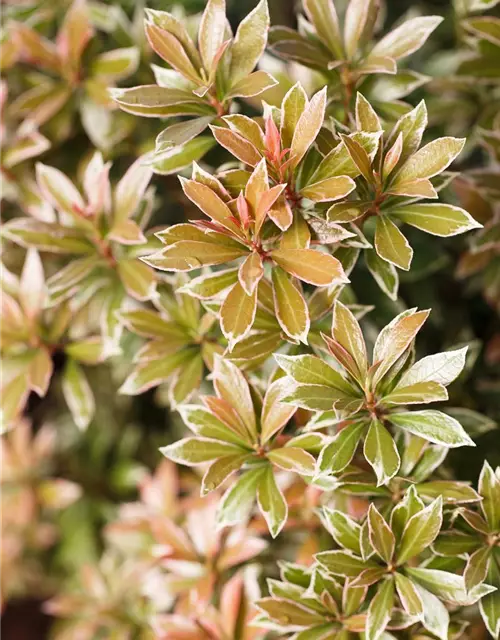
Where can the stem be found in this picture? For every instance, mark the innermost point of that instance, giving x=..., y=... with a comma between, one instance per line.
x=218, y=106
x=374, y=210
x=348, y=86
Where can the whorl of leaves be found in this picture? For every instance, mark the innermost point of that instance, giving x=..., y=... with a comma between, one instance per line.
x=267, y=315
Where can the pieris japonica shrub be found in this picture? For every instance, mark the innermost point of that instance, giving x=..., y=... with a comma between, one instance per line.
x=242, y=254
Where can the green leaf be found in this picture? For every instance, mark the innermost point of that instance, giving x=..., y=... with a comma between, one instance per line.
x=293, y=459
x=210, y=285
x=236, y=504
x=417, y=393
x=14, y=395
x=451, y=491
x=29, y=146
x=384, y=274
x=473, y=422
x=57, y=189
x=436, y=618
x=447, y=586
x=170, y=23
x=407, y=507
x=380, y=609
x=486, y=27
x=442, y=368
x=194, y=451
x=323, y=16
x=185, y=381
x=359, y=20
x=75, y=31
x=342, y=563
x=417, y=189
x=347, y=332
x=353, y=598
x=232, y=387
x=366, y=117
x=420, y=531
x=78, y=394
x=251, y=272
x=221, y=469
x=179, y=133
x=430, y=160
x=412, y=126
x=256, y=349
x=407, y=38
x=369, y=577
x=433, y=426
x=489, y=489
x=36, y=46
x=432, y=457
x=338, y=162
x=292, y=107
x=452, y=544
x=115, y=65
x=335, y=457
x=291, y=308
x=154, y=101
x=314, y=267
x=489, y=605
x=309, y=369
x=436, y=218
x=151, y=324
x=391, y=244
x=45, y=236
x=409, y=595
x=253, y=85
x=392, y=156
x=313, y=397
x=237, y=314
x=359, y=157
x=204, y=423
x=275, y=413
x=477, y=568
x=177, y=158
x=32, y=293
x=381, y=537
x=312, y=442
x=293, y=613
x=211, y=32
x=329, y=189
x=381, y=452
x=151, y=373
x=343, y=529
x=111, y=328
x=40, y=371
x=170, y=49
x=65, y=281
x=388, y=88
x=347, y=211
x=236, y=144
x=395, y=338
x=308, y=126
x=249, y=42
x=206, y=199
x=187, y=255
x=272, y=504
x=137, y=278
x=326, y=233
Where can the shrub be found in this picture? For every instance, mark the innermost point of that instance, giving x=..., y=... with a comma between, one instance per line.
x=236, y=274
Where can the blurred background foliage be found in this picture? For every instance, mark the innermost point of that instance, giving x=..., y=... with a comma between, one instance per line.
x=120, y=447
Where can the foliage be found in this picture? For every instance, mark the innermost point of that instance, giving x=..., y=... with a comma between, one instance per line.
x=221, y=241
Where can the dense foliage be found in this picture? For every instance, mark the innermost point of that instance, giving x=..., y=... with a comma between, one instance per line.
x=239, y=260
